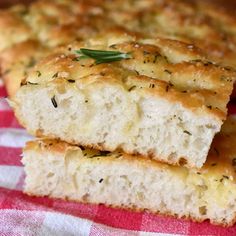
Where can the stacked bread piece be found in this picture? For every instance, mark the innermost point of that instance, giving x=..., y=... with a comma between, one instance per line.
x=60, y=170
x=153, y=103
x=146, y=108
x=126, y=114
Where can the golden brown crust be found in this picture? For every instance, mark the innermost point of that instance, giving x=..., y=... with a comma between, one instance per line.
x=60, y=22
x=57, y=23
x=15, y=62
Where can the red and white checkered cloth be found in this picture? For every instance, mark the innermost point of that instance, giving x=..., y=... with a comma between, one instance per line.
x=24, y=215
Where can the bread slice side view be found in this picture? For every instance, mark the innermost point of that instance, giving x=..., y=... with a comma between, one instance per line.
x=164, y=104
x=59, y=170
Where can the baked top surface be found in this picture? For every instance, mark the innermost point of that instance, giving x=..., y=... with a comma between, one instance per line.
x=52, y=24
x=57, y=22
x=162, y=67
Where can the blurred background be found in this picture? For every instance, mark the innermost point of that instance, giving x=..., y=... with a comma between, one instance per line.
x=229, y=4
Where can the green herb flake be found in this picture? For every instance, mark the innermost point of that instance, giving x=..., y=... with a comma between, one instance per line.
x=31, y=83
x=55, y=75
x=234, y=162
x=187, y=132
x=225, y=176
x=216, y=151
x=38, y=73
x=168, y=72
x=54, y=103
x=131, y=88
x=71, y=80
x=31, y=63
x=104, y=153
x=101, y=56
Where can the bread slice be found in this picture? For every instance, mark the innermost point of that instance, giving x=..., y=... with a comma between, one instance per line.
x=166, y=102
x=57, y=169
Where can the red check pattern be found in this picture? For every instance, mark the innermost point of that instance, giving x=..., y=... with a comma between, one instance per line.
x=24, y=215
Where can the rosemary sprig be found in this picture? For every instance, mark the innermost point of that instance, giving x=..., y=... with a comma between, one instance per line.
x=101, y=56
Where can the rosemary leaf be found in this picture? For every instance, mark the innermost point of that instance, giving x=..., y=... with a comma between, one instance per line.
x=101, y=56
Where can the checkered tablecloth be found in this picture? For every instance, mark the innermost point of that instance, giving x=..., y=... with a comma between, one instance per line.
x=24, y=215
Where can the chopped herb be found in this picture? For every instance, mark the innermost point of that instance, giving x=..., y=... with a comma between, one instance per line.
x=71, y=80
x=28, y=82
x=86, y=101
x=136, y=72
x=213, y=164
x=39, y=73
x=225, y=176
x=187, y=132
x=104, y=153
x=101, y=56
x=155, y=58
x=216, y=151
x=168, y=71
x=118, y=155
x=206, y=63
x=167, y=88
x=55, y=75
x=210, y=107
x=234, y=162
x=113, y=46
x=131, y=88
x=54, y=101
x=100, y=181
x=198, y=173
x=31, y=63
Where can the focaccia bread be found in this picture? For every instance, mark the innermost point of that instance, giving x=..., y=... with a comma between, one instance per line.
x=18, y=60
x=30, y=33
x=57, y=169
x=58, y=22
x=165, y=102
